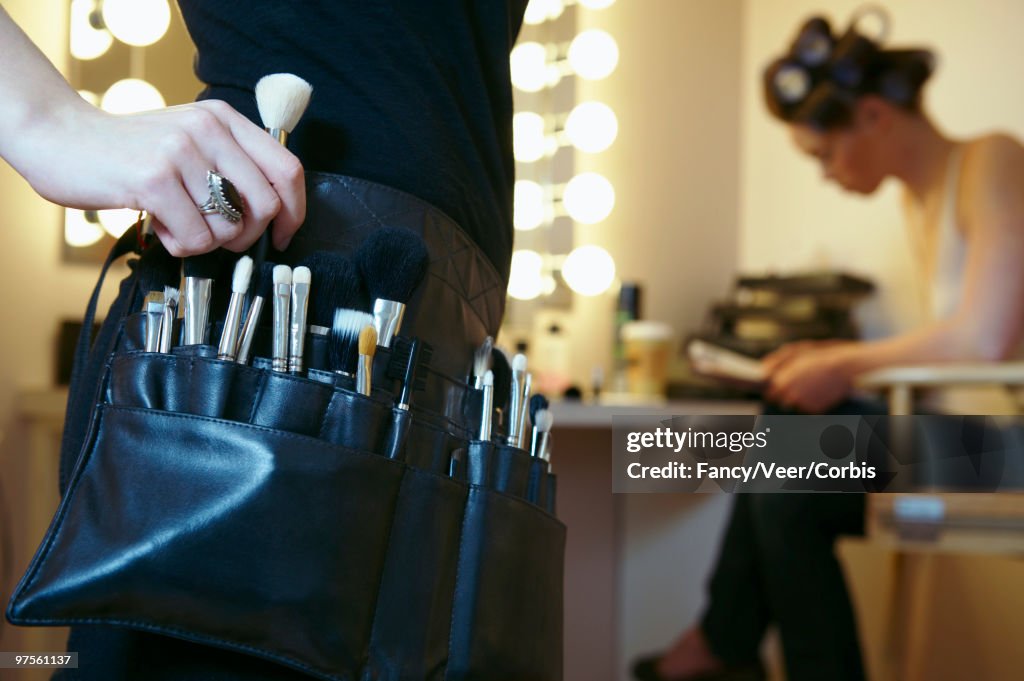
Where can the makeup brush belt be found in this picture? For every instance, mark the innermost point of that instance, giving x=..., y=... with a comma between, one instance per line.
x=295, y=519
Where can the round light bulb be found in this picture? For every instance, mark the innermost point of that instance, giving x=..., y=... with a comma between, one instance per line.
x=548, y=285
x=596, y=4
x=528, y=205
x=539, y=11
x=592, y=127
x=528, y=142
x=87, y=42
x=117, y=220
x=130, y=96
x=593, y=54
x=589, y=198
x=589, y=270
x=78, y=230
x=137, y=22
x=528, y=64
x=525, y=281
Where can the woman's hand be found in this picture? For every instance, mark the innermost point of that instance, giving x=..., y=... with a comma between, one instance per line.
x=810, y=376
x=85, y=158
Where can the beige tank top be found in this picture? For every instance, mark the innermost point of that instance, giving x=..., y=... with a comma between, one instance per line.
x=942, y=289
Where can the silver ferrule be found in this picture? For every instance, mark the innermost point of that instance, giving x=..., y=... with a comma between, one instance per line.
x=515, y=408
x=167, y=325
x=282, y=295
x=252, y=320
x=154, y=320
x=487, y=413
x=279, y=134
x=228, y=347
x=533, y=443
x=521, y=428
x=544, y=447
x=387, y=320
x=297, y=337
x=197, y=309
x=363, y=375
x=319, y=330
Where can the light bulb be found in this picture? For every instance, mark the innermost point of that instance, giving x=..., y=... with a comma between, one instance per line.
x=528, y=205
x=80, y=231
x=596, y=4
x=137, y=22
x=539, y=11
x=131, y=95
x=593, y=54
x=528, y=142
x=589, y=270
x=117, y=220
x=588, y=198
x=87, y=42
x=528, y=64
x=591, y=127
x=525, y=281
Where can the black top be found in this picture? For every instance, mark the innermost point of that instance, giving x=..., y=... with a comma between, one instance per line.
x=413, y=94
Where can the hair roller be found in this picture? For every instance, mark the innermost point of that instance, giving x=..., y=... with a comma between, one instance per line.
x=814, y=42
x=826, y=107
x=852, y=59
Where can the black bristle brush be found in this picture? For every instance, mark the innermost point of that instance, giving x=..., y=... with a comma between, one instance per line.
x=502, y=381
x=408, y=364
x=393, y=262
x=263, y=288
x=158, y=269
x=200, y=271
x=344, y=347
x=537, y=402
x=336, y=284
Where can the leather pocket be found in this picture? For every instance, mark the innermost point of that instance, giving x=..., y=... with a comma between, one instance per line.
x=507, y=615
x=231, y=535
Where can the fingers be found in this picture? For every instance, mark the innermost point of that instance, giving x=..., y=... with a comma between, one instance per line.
x=280, y=168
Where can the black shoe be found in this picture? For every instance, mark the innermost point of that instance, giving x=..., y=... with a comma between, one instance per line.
x=646, y=669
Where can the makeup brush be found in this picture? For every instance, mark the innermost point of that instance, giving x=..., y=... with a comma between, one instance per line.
x=367, y=348
x=540, y=447
x=525, y=400
x=345, y=339
x=537, y=402
x=502, y=382
x=158, y=269
x=227, y=349
x=200, y=271
x=281, y=98
x=301, y=280
x=282, y=301
x=170, y=314
x=153, y=306
x=393, y=261
x=487, y=408
x=408, y=362
x=338, y=284
x=482, y=361
x=264, y=288
x=516, y=401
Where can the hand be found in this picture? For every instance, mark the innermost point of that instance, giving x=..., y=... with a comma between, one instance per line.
x=157, y=160
x=809, y=376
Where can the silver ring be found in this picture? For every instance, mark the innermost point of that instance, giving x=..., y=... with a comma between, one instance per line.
x=224, y=198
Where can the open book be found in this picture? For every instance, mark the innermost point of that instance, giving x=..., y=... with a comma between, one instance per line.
x=715, y=361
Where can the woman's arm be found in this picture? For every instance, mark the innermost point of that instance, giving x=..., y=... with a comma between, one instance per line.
x=988, y=323
x=77, y=155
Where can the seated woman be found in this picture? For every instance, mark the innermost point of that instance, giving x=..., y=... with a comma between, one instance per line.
x=856, y=108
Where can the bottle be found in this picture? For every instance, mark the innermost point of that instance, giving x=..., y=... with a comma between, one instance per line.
x=627, y=310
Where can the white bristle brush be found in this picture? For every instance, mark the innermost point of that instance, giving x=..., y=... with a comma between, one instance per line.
x=228, y=348
x=282, y=98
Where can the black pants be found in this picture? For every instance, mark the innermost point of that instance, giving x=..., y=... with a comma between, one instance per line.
x=778, y=565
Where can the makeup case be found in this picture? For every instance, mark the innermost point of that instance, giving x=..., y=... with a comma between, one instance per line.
x=293, y=518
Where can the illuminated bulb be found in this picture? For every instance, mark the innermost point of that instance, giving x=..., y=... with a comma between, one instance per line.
x=589, y=270
x=525, y=281
x=528, y=64
x=527, y=136
x=593, y=54
x=87, y=42
x=79, y=231
x=539, y=11
x=528, y=210
x=131, y=95
x=137, y=22
x=592, y=127
x=117, y=220
x=596, y=4
x=548, y=285
x=589, y=198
